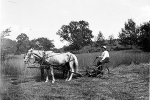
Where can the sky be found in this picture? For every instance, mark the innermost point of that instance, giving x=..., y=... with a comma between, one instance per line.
x=43, y=18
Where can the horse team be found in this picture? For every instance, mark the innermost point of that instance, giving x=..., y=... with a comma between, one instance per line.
x=50, y=59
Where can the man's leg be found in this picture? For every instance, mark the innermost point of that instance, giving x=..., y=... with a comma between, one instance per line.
x=99, y=65
x=99, y=68
x=106, y=60
x=42, y=74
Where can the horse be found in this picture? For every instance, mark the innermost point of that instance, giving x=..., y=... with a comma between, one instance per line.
x=39, y=60
x=36, y=59
x=52, y=60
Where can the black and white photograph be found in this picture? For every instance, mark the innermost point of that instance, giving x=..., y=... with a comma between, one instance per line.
x=74, y=49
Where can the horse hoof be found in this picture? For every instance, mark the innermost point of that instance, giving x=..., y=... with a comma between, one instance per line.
x=66, y=80
x=53, y=81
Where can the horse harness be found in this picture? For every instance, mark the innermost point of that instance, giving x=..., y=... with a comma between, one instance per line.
x=44, y=63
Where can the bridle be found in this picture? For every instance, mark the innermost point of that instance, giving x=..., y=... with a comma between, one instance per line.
x=35, y=57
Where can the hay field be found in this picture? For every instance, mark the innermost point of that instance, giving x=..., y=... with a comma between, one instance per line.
x=15, y=65
x=129, y=80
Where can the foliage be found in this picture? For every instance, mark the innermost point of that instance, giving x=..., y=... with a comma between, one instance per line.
x=111, y=39
x=136, y=35
x=144, y=36
x=5, y=49
x=128, y=34
x=88, y=49
x=76, y=33
x=22, y=43
x=5, y=32
x=42, y=44
x=100, y=40
x=8, y=47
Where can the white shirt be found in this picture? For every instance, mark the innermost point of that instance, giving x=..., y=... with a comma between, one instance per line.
x=104, y=55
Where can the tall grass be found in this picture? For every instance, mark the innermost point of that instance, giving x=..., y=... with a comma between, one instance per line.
x=127, y=57
x=116, y=58
x=15, y=66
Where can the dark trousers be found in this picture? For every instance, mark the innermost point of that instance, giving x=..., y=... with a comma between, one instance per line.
x=106, y=60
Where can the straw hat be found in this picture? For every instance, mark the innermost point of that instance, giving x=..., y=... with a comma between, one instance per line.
x=104, y=47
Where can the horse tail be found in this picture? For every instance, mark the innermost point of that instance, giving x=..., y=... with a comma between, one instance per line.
x=75, y=63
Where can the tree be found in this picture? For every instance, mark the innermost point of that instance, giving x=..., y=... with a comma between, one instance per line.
x=5, y=32
x=100, y=40
x=128, y=34
x=111, y=39
x=22, y=43
x=42, y=44
x=76, y=33
x=144, y=36
x=4, y=48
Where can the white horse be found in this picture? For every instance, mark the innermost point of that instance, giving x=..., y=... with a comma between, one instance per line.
x=52, y=59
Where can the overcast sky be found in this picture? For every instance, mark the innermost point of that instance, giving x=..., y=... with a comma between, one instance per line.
x=43, y=18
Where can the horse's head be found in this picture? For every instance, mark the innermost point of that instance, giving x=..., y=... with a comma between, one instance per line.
x=28, y=56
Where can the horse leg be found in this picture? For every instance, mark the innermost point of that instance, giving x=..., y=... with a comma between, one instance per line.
x=68, y=74
x=42, y=73
x=52, y=73
x=108, y=70
x=72, y=70
x=64, y=73
x=47, y=72
x=67, y=71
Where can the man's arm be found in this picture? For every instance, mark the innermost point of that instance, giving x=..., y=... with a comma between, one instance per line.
x=100, y=56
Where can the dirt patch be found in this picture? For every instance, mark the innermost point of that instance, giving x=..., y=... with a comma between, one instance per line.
x=122, y=84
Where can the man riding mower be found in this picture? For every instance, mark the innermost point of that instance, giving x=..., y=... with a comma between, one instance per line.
x=98, y=70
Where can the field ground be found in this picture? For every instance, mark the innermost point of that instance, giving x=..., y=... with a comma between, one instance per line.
x=125, y=82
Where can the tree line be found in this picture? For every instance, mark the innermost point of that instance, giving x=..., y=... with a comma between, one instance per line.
x=78, y=34
x=133, y=35
x=23, y=43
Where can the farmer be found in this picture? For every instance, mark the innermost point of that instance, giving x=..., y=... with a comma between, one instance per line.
x=104, y=58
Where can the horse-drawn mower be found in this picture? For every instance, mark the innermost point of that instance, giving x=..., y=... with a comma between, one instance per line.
x=66, y=62
x=92, y=71
x=96, y=70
